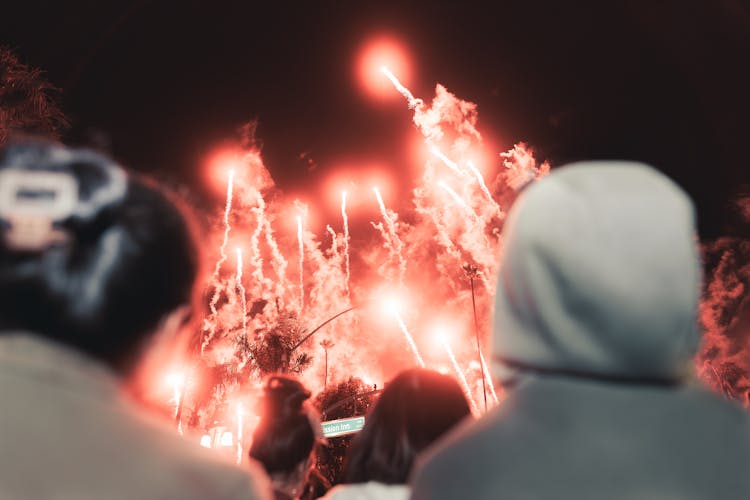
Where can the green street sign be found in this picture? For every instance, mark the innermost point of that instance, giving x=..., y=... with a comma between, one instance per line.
x=343, y=426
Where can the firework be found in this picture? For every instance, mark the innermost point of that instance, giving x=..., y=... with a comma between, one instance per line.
x=462, y=379
x=488, y=378
x=409, y=340
x=413, y=101
x=240, y=417
x=392, y=240
x=210, y=323
x=447, y=161
x=346, y=240
x=451, y=218
x=482, y=185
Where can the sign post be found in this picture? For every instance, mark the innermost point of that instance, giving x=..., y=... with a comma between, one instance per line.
x=343, y=426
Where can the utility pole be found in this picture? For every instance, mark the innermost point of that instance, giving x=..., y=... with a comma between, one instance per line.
x=326, y=344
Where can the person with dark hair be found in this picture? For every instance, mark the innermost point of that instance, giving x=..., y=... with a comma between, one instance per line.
x=413, y=412
x=595, y=330
x=284, y=439
x=96, y=268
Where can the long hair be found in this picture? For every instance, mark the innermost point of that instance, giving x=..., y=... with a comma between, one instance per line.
x=285, y=436
x=414, y=410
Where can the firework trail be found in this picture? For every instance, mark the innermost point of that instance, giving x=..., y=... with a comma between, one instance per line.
x=447, y=161
x=256, y=259
x=482, y=184
x=396, y=246
x=346, y=239
x=459, y=201
x=409, y=340
x=413, y=101
x=462, y=379
x=241, y=291
x=301, y=245
x=334, y=242
x=488, y=378
x=210, y=322
x=279, y=262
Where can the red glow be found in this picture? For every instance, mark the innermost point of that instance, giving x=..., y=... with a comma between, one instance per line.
x=379, y=52
x=217, y=167
x=357, y=179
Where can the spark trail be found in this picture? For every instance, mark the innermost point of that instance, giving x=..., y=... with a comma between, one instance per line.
x=346, y=240
x=241, y=292
x=413, y=101
x=409, y=340
x=462, y=379
x=488, y=378
x=301, y=245
x=210, y=322
x=482, y=184
x=393, y=241
x=256, y=259
x=455, y=196
x=447, y=161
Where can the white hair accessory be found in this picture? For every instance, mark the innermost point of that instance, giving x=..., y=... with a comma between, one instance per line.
x=31, y=202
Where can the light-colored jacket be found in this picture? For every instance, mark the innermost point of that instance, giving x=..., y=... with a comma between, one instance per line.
x=368, y=491
x=68, y=433
x=595, y=330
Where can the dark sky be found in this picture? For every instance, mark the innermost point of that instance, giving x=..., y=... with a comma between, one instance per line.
x=164, y=81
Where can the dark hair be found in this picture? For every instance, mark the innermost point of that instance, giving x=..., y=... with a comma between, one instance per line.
x=285, y=435
x=414, y=410
x=125, y=257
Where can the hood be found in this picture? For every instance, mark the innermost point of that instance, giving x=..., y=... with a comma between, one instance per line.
x=599, y=276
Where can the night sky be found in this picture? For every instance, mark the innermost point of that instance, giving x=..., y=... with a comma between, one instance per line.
x=161, y=83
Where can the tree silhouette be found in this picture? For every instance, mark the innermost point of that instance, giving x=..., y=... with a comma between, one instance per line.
x=27, y=100
x=346, y=399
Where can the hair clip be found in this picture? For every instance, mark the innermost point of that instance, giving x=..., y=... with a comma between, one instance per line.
x=30, y=204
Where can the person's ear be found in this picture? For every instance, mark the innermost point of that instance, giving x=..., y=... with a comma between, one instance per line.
x=173, y=322
x=165, y=350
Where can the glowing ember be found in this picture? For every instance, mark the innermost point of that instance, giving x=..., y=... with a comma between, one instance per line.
x=378, y=52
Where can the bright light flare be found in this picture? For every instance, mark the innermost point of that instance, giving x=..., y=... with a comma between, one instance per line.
x=218, y=165
x=376, y=54
x=240, y=418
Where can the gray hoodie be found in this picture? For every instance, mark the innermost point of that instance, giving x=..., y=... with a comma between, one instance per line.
x=594, y=331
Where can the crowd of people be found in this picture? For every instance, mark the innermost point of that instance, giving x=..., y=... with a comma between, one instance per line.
x=594, y=332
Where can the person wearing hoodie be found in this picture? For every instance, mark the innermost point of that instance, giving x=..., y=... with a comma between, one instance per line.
x=594, y=332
